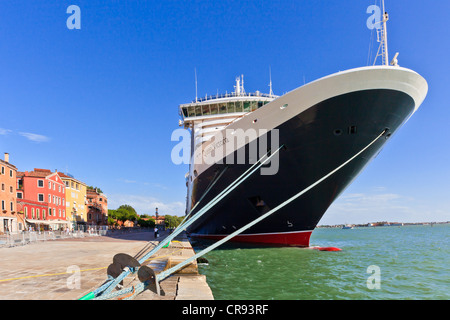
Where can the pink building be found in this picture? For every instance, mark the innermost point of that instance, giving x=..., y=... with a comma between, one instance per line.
x=41, y=196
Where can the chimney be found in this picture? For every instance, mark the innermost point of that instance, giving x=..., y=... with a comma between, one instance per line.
x=6, y=157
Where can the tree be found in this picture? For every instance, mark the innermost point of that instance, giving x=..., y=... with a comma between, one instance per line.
x=128, y=208
x=172, y=221
x=123, y=213
x=148, y=223
x=94, y=188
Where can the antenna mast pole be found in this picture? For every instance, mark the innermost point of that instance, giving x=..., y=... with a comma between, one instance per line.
x=385, y=19
x=196, y=99
x=270, y=83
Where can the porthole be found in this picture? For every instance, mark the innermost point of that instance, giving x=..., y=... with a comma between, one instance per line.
x=255, y=121
x=284, y=106
x=337, y=132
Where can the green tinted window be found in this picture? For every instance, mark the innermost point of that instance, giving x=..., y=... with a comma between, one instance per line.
x=191, y=111
x=198, y=111
x=222, y=108
x=238, y=106
x=230, y=107
x=246, y=106
x=206, y=111
x=214, y=109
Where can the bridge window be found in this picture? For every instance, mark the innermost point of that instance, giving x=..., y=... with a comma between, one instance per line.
x=222, y=108
x=214, y=109
x=191, y=111
x=206, y=111
x=238, y=105
x=230, y=107
x=198, y=111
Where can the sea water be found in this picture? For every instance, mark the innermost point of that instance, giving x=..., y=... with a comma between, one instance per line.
x=404, y=262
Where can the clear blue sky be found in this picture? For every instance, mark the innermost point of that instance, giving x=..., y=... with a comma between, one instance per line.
x=101, y=102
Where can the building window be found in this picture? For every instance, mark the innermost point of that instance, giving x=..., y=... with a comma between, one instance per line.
x=32, y=213
x=10, y=173
x=19, y=195
x=49, y=185
x=60, y=212
x=26, y=211
x=49, y=211
x=12, y=206
x=11, y=189
x=3, y=204
x=3, y=187
x=37, y=214
x=49, y=199
x=40, y=197
x=3, y=170
x=43, y=214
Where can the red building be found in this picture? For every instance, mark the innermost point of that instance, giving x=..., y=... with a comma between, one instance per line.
x=41, y=196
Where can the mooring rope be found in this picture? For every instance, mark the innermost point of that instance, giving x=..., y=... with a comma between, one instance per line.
x=111, y=283
x=164, y=274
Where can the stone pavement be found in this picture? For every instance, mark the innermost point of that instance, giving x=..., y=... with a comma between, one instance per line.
x=45, y=270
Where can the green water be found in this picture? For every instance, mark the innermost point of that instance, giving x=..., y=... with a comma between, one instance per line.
x=413, y=263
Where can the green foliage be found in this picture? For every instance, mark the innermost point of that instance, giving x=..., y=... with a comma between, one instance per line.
x=123, y=213
x=172, y=221
x=150, y=223
x=94, y=188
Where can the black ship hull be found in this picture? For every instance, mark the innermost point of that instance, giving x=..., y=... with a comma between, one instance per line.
x=316, y=141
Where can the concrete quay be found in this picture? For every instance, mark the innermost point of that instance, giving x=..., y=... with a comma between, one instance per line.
x=67, y=269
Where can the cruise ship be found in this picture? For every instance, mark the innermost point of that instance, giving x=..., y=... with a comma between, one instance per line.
x=319, y=137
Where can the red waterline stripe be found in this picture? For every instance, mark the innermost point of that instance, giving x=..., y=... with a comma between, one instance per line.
x=295, y=239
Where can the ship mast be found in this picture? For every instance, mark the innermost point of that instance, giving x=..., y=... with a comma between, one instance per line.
x=382, y=38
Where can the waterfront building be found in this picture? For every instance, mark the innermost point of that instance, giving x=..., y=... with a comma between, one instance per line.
x=97, y=207
x=10, y=219
x=159, y=220
x=76, y=201
x=41, y=194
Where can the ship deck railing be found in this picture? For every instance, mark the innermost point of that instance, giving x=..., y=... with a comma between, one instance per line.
x=234, y=95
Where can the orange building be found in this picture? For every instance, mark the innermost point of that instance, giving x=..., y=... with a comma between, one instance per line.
x=10, y=219
x=97, y=206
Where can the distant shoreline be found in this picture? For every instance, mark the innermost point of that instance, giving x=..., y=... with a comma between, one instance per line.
x=381, y=224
